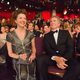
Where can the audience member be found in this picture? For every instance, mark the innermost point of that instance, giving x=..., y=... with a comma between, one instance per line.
x=59, y=52
x=21, y=47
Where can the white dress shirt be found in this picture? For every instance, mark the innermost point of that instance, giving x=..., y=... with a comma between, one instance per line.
x=56, y=36
x=56, y=39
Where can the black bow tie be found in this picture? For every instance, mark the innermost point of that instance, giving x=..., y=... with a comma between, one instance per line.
x=54, y=31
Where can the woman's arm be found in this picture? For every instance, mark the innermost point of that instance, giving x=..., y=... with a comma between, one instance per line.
x=33, y=54
x=14, y=55
x=10, y=52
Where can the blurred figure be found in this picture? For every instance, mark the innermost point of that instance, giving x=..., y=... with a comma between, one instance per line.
x=76, y=29
x=3, y=22
x=3, y=35
x=68, y=26
x=7, y=29
x=30, y=26
x=46, y=29
x=34, y=29
x=3, y=53
x=77, y=34
x=37, y=32
x=12, y=29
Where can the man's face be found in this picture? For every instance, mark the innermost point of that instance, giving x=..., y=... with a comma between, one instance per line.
x=54, y=23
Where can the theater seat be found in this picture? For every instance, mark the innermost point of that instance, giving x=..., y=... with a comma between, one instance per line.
x=54, y=70
x=39, y=45
x=40, y=50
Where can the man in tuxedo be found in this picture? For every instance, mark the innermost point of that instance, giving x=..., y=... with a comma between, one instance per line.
x=59, y=51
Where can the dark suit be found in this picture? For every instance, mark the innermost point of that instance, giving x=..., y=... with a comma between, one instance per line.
x=64, y=44
x=78, y=43
x=37, y=33
x=63, y=48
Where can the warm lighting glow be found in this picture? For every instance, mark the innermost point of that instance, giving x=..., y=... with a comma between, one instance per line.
x=16, y=8
x=2, y=1
x=54, y=13
x=65, y=12
x=26, y=4
x=8, y=3
x=78, y=9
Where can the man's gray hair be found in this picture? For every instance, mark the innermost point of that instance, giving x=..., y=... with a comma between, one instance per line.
x=57, y=18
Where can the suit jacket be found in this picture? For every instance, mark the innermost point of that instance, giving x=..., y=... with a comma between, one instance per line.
x=78, y=43
x=64, y=46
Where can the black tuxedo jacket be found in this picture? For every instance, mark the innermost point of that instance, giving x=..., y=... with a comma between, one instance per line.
x=64, y=46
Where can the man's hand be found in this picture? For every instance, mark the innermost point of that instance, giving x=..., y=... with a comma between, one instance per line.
x=63, y=59
x=61, y=62
x=62, y=65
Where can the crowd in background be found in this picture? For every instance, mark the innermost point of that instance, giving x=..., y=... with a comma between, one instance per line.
x=39, y=24
x=39, y=27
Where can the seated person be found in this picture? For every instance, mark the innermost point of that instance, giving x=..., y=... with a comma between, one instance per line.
x=3, y=49
x=33, y=29
x=59, y=52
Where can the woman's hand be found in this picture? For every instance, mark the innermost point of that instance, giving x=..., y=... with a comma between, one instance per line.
x=32, y=57
x=23, y=56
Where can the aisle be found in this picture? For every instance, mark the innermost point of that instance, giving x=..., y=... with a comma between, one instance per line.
x=6, y=73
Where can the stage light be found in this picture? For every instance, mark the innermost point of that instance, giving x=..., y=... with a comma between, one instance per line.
x=26, y=4
x=69, y=9
x=2, y=1
x=78, y=9
x=65, y=12
x=54, y=13
x=16, y=8
x=30, y=6
x=8, y=3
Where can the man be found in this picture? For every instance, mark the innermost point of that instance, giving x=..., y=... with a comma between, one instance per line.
x=31, y=28
x=59, y=51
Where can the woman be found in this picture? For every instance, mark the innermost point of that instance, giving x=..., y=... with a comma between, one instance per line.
x=21, y=45
x=3, y=49
x=3, y=54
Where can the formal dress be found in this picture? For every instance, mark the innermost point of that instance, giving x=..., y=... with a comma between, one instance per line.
x=27, y=71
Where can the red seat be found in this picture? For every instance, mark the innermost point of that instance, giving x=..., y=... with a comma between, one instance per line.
x=56, y=71
x=39, y=45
